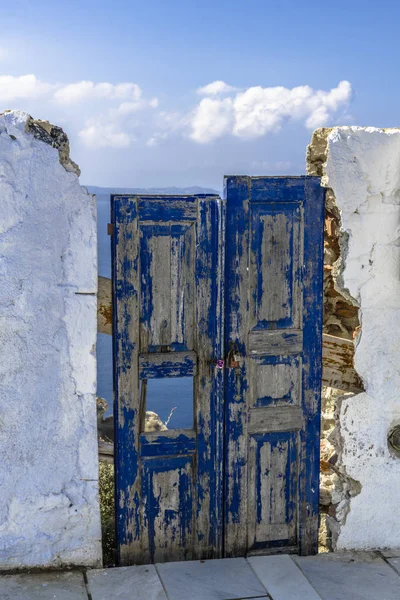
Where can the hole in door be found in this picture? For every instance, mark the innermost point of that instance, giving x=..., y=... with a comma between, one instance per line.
x=168, y=402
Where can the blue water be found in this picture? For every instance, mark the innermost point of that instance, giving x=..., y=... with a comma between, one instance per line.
x=163, y=395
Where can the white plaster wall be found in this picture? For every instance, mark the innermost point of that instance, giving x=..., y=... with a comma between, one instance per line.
x=49, y=508
x=363, y=169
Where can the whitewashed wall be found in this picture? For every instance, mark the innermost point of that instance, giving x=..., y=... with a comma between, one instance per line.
x=49, y=509
x=363, y=170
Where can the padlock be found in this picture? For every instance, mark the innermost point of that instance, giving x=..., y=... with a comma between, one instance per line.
x=234, y=361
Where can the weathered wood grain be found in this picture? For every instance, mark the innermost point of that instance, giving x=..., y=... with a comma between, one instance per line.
x=167, y=364
x=168, y=283
x=275, y=343
x=126, y=297
x=169, y=443
x=106, y=452
x=277, y=381
x=209, y=383
x=309, y=438
x=282, y=418
x=274, y=260
x=238, y=294
x=274, y=454
x=104, y=306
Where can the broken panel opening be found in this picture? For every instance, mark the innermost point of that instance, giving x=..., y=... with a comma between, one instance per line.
x=168, y=403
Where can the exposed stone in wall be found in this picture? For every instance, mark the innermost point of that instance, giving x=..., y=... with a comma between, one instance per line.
x=49, y=509
x=340, y=310
x=362, y=167
x=55, y=136
x=52, y=135
x=340, y=319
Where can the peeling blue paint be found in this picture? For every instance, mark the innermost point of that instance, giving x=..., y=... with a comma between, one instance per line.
x=209, y=510
x=148, y=527
x=299, y=200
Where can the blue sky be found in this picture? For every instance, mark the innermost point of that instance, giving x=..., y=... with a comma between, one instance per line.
x=169, y=126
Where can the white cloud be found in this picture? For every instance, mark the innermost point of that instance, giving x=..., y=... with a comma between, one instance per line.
x=104, y=135
x=115, y=127
x=212, y=119
x=87, y=90
x=216, y=88
x=157, y=138
x=23, y=87
x=166, y=124
x=105, y=115
x=258, y=111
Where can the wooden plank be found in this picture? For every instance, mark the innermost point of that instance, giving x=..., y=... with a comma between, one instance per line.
x=276, y=342
x=106, y=452
x=277, y=245
x=167, y=505
x=282, y=418
x=173, y=442
x=155, y=266
x=338, y=365
x=309, y=438
x=125, y=250
x=167, y=208
x=273, y=476
x=277, y=381
x=182, y=286
x=209, y=383
x=167, y=364
x=104, y=306
x=238, y=267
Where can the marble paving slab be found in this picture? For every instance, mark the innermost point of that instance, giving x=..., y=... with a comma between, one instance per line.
x=282, y=578
x=353, y=575
x=224, y=579
x=43, y=586
x=126, y=583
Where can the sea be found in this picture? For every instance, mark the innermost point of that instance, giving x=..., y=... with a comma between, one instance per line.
x=171, y=398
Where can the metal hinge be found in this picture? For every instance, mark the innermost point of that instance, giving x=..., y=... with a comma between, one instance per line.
x=110, y=229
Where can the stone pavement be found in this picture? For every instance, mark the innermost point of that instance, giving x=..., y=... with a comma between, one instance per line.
x=356, y=576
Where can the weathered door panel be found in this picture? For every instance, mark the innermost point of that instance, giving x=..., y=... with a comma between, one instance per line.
x=168, y=298
x=273, y=338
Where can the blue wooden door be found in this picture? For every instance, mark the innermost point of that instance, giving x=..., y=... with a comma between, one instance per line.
x=229, y=467
x=168, y=336
x=274, y=269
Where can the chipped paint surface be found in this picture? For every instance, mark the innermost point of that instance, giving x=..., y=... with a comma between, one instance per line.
x=168, y=293
x=273, y=316
x=169, y=277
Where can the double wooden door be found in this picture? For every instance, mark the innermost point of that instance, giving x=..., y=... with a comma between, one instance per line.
x=217, y=355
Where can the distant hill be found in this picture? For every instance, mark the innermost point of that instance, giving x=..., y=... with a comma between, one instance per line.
x=106, y=191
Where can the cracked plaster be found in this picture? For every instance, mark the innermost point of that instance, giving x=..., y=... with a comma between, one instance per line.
x=49, y=509
x=362, y=168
